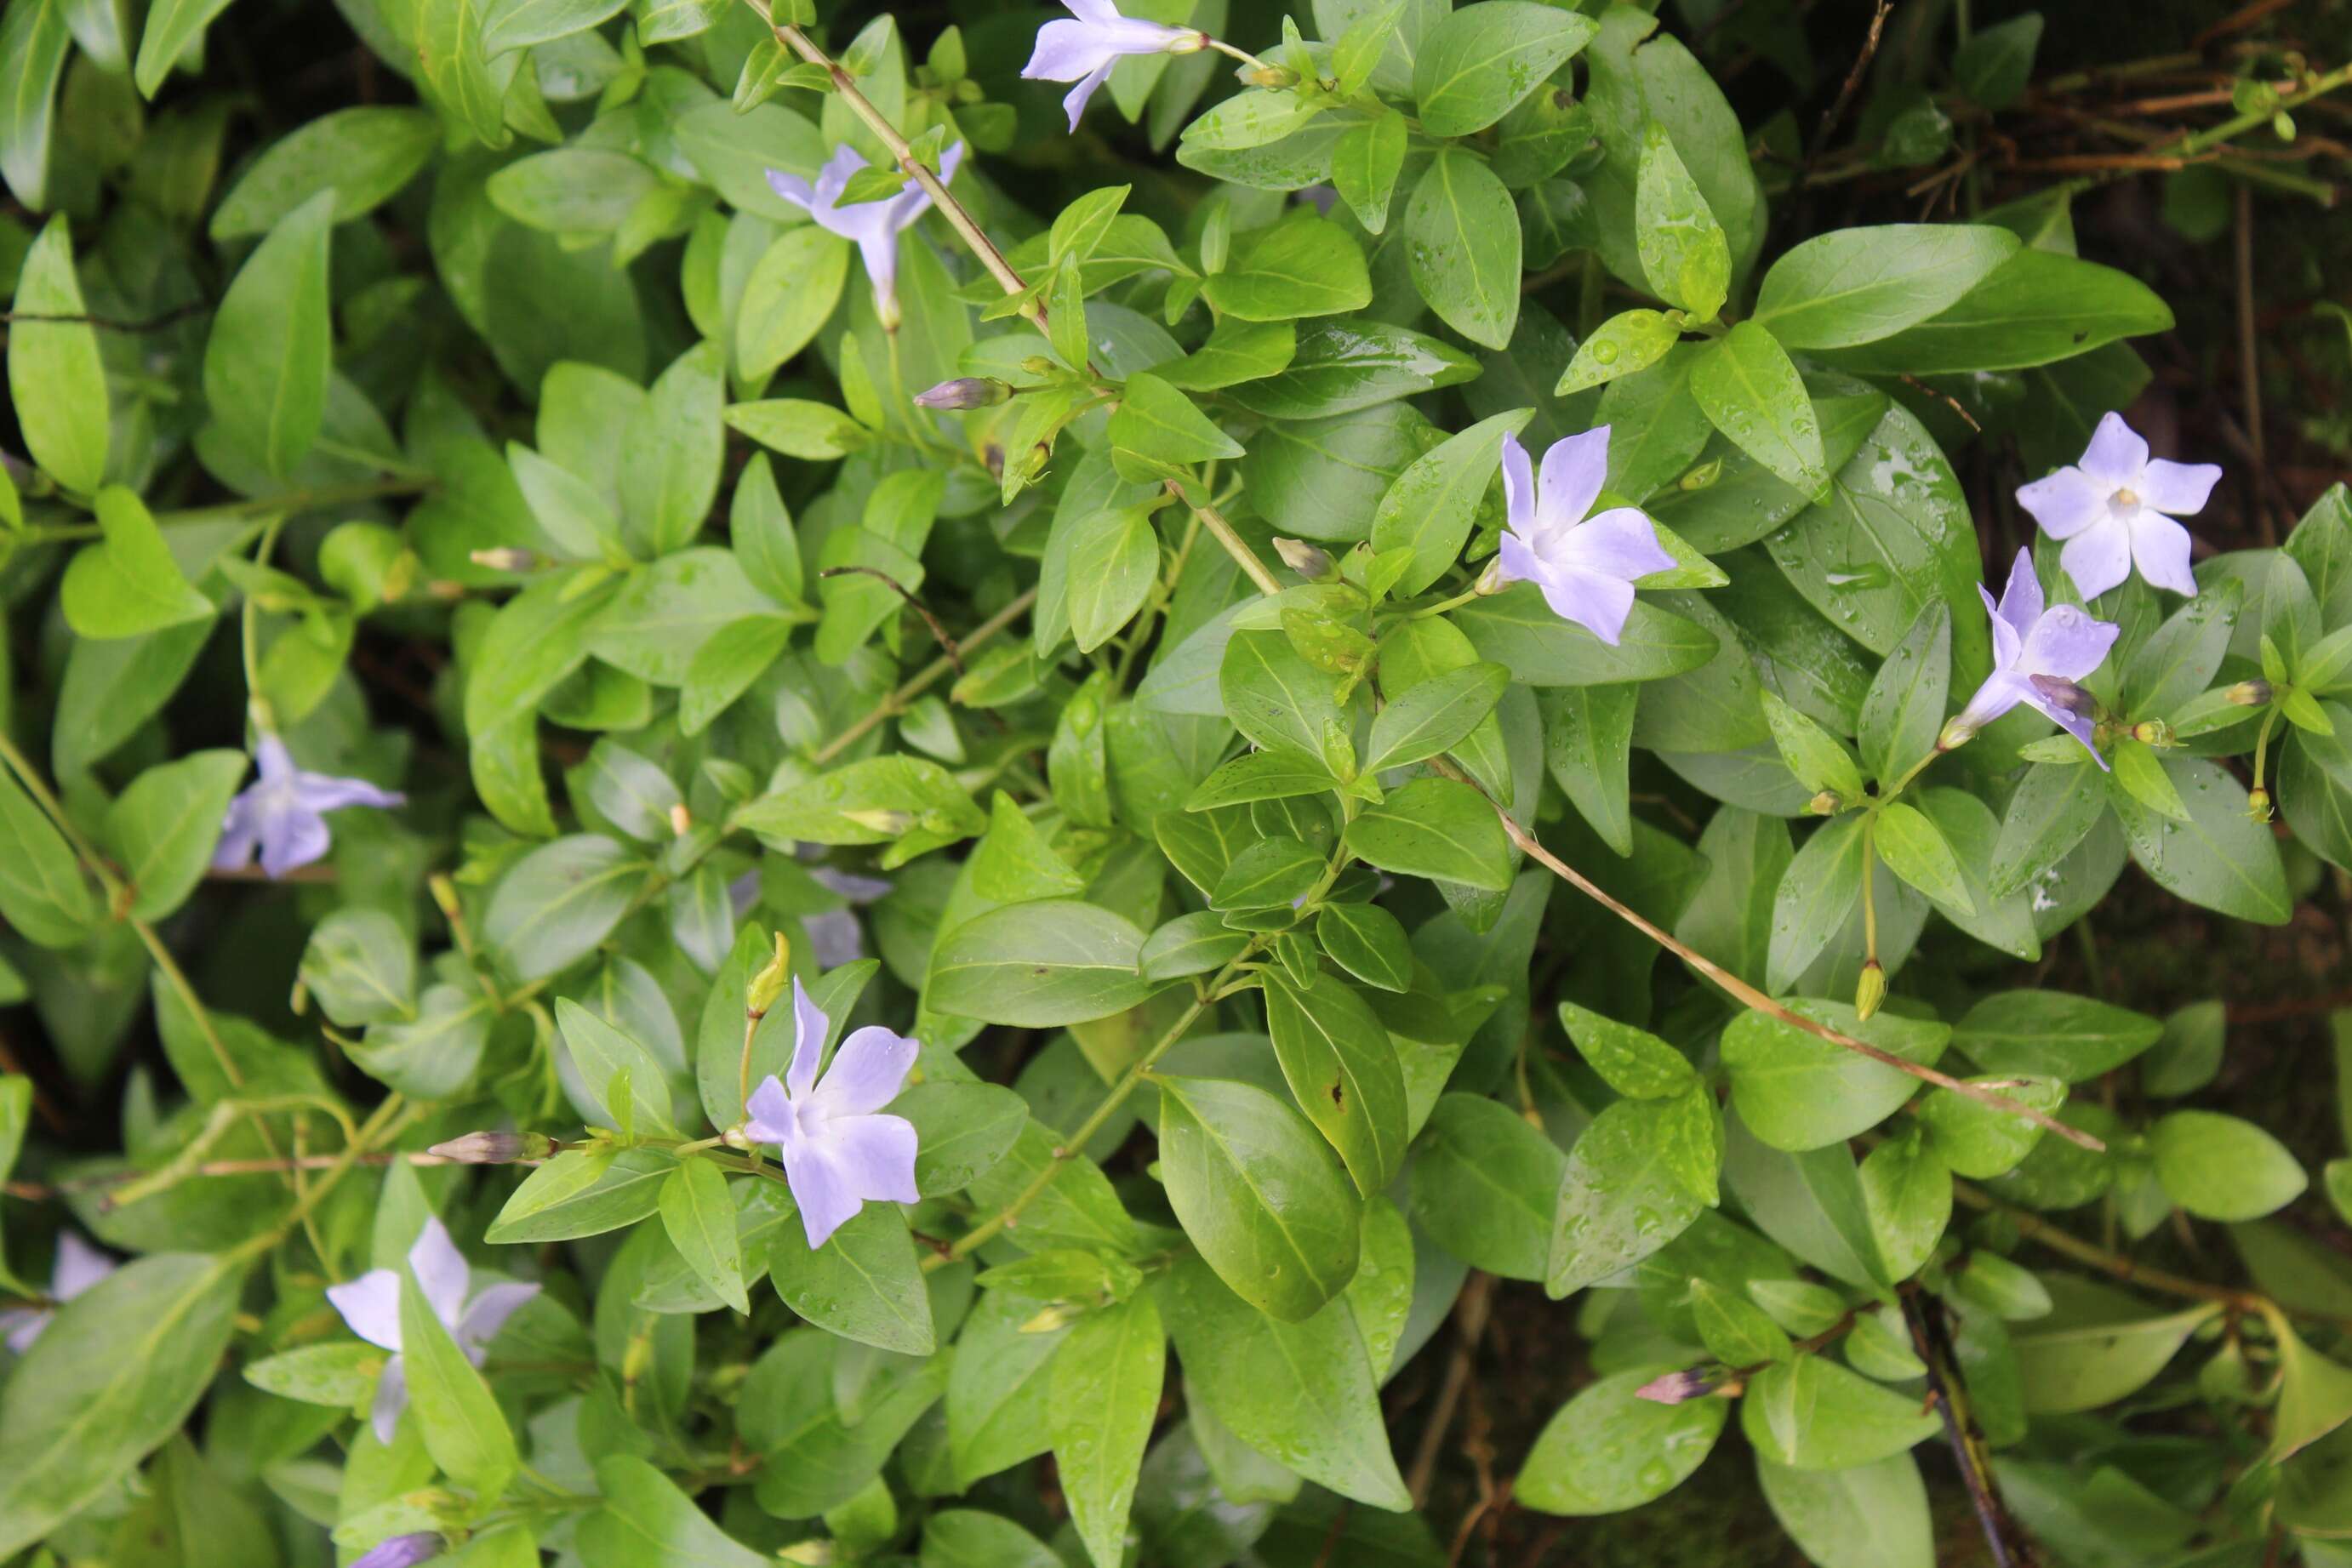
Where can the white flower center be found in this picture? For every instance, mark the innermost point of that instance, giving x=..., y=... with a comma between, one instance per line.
x=2124, y=499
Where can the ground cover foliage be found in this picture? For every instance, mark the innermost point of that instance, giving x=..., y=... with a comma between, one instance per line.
x=1220, y=784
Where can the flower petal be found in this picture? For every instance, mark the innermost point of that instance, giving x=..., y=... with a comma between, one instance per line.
x=486, y=1313
x=877, y=1153
x=835, y=938
x=1620, y=543
x=809, y=1029
x=270, y=755
x=1599, y=604
x=1066, y=51
x=2078, y=725
x=292, y=838
x=771, y=1119
x=79, y=1266
x=867, y=1074
x=2006, y=642
x=2179, y=488
x=324, y=792
x=391, y=1399
x=371, y=1306
x=2160, y=548
x=1518, y=562
x=1574, y=469
x=20, y=1328
x=2021, y=598
x=793, y=189
x=2000, y=692
x=825, y=1195
x=879, y=252
x=1519, y=489
x=2116, y=453
x=2068, y=643
x=1074, y=102
x=441, y=1271
x=2099, y=556
x=240, y=834
x=2065, y=503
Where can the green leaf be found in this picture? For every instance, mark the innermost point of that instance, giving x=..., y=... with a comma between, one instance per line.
x=1365, y=164
x=464, y=1430
x=458, y=76
x=1156, y=421
x=1906, y=1190
x=1249, y=119
x=1483, y=59
x=555, y=905
x=521, y=23
x=1039, y=964
x=34, y=41
x=2033, y=308
x=967, y=1538
x=1304, y=265
x=700, y=1219
x=163, y=829
x=1822, y=884
x=1814, y=1415
x=1619, y=1199
x=2048, y=816
x=1430, y=507
x=1343, y=1072
x=1235, y=354
x=1518, y=631
x=1681, y=247
x=1462, y=243
x=1609, y=1449
x=1484, y=1184
x=962, y=1131
x=1860, y=285
x=341, y=1375
x=114, y=1375
x=1994, y=64
x=910, y=802
x=1628, y=342
x=1437, y=829
x=1104, y=1398
x=1274, y=697
x=1342, y=367
x=42, y=893
x=2218, y=857
x=1795, y=1091
x=1867, y=1516
x=1435, y=715
x=1979, y=1141
x=1904, y=709
x=1259, y=1193
x=1754, y=395
x=272, y=345
x=1114, y=562
x=1633, y=1061
x=1300, y=1393
x=647, y=1522
x=813, y=432
x=1587, y=749
x=360, y=967
x=1275, y=774
x=1915, y=850
x=1735, y=1329
x=863, y=1285
x=2221, y=1167
x=172, y=27
x=1819, y=759
x=2051, y=1034
x=2100, y=1345
x=791, y=293
x=55, y=376
x=1368, y=943
x=363, y=156
x=580, y=1193
x=128, y=583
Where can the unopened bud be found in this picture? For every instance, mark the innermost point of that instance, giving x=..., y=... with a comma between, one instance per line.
x=1060, y=1315
x=1491, y=580
x=1039, y=365
x=1957, y=732
x=2258, y=804
x=769, y=982
x=1825, y=804
x=1271, y=75
x=681, y=820
x=1870, y=991
x=1035, y=464
x=495, y=1148
x=2152, y=732
x=1675, y=1387
x=993, y=456
x=965, y=391
x=1700, y=477
x=2253, y=693
x=1303, y=558
x=505, y=558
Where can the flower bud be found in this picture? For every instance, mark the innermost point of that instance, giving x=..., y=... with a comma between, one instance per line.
x=1060, y=1315
x=681, y=820
x=505, y=558
x=1303, y=558
x=1870, y=991
x=2258, y=804
x=1491, y=580
x=2152, y=732
x=965, y=391
x=496, y=1149
x=1825, y=804
x=1957, y=732
x=1039, y=365
x=771, y=981
x=2253, y=693
x=1700, y=477
x=1675, y=1387
x=1271, y=75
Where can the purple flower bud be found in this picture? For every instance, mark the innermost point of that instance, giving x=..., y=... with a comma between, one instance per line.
x=496, y=1149
x=401, y=1551
x=1675, y=1387
x=965, y=391
x=2253, y=693
x=1302, y=558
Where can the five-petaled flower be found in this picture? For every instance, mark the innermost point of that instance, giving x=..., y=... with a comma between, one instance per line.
x=873, y=227
x=370, y=1305
x=1585, y=566
x=282, y=813
x=839, y=1153
x=1083, y=46
x=79, y=1266
x=2039, y=654
x=2116, y=507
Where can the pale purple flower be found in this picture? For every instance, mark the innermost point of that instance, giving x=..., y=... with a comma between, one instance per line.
x=79, y=1266
x=835, y=935
x=1585, y=566
x=370, y=1305
x=838, y=1153
x=401, y=1551
x=2116, y=507
x=282, y=812
x=873, y=227
x=2038, y=656
x=1083, y=46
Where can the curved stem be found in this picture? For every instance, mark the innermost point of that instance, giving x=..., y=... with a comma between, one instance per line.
x=923, y=679
x=1236, y=546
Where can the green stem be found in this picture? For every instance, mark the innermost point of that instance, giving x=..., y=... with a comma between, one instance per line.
x=1443, y=605
x=288, y=504
x=923, y=679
